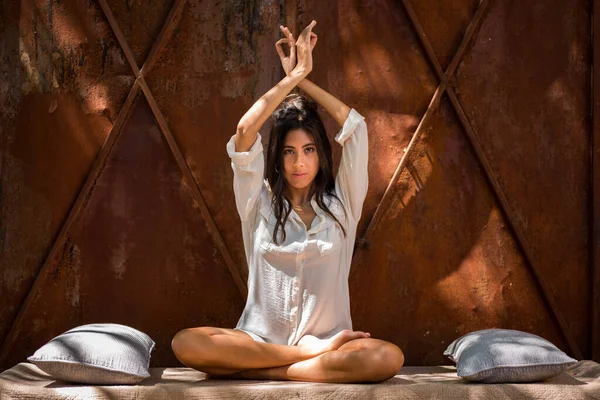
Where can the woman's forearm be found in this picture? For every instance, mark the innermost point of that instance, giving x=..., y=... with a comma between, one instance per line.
x=336, y=108
x=255, y=117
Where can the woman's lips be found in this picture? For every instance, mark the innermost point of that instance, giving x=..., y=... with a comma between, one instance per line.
x=299, y=175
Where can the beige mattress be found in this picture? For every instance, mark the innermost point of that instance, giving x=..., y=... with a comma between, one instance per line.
x=26, y=381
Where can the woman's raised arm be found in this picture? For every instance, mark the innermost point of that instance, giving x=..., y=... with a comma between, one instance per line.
x=255, y=117
x=335, y=107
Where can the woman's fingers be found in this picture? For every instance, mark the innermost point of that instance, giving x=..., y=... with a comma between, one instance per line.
x=284, y=30
x=284, y=40
x=313, y=40
x=287, y=33
x=310, y=27
x=306, y=34
x=290, y=41
x=279, y=48
x=300, y=49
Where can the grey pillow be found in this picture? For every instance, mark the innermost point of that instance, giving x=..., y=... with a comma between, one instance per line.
x=505, y=355
x=97, y=354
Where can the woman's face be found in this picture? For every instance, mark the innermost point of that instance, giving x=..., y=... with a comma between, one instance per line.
x=300, y=159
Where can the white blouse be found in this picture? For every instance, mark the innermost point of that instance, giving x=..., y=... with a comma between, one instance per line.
x=300, y=287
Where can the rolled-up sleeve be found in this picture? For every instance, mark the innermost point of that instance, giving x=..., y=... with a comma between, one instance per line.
x=248, y=171
x=352, y=180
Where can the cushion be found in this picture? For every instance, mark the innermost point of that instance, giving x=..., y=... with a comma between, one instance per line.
x=505, y=355
x=97, y=354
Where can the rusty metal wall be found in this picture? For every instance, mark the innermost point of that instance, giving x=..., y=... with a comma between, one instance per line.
x=595, y=182
x=539, y=150
x=116, y=190
x=62, y=86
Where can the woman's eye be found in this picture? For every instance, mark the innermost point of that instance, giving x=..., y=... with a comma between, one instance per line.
x=288, y=151
x=310, y=149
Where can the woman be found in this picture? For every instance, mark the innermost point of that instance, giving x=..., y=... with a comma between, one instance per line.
x=299, y=227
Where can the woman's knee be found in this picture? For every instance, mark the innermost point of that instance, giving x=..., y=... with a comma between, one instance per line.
x=180, y=343
x=394, y=358
x=187, y=342
x=387, y=361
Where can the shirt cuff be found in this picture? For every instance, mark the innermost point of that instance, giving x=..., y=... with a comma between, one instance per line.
x=354, y=118
x=244, y=158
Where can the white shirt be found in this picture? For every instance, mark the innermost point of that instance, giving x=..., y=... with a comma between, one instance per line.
x=300, y=287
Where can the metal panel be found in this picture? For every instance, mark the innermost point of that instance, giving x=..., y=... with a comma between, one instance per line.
x=443, y=261
x=383, y=73
x=66, y=83
x=221, y=61
x=595, y=183
x=139, y=254
x=10, y=97
x=445, y=24
x=141, y=22
x=529, y=109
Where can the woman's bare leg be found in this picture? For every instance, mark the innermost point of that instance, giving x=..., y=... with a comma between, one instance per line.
x=219, y=351
x=359, y=360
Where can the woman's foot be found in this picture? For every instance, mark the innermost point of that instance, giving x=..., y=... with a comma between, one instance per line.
x=314, y=346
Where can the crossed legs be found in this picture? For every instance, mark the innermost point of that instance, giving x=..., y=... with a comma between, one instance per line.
x=231, y=354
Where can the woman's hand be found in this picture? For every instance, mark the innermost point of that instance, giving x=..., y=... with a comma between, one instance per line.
x=289, y=62
x=304, y=51
x=254, y=118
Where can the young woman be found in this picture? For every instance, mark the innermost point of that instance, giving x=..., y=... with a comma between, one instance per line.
x=299, y=227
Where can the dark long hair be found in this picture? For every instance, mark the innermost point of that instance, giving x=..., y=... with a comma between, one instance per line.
x=298, y=112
